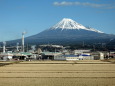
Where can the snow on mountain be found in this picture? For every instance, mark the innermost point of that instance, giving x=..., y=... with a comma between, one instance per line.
x=67, y=23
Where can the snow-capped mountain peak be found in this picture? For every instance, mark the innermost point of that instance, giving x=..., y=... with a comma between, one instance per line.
x=67, y=23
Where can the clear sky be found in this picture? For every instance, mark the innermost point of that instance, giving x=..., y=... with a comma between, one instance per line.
x=34, y=16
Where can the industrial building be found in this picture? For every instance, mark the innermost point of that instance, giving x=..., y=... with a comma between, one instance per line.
x=74, y=57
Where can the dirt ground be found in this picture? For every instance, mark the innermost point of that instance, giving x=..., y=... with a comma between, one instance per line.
x=58, y=73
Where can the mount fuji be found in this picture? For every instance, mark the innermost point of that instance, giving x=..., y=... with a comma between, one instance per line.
x=69, y=24
x=69, y=31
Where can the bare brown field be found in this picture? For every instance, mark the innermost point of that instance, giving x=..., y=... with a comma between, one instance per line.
x=112, y=60
x=2, y=63
x=53, y=73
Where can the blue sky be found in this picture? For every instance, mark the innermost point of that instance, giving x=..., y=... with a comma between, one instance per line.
x=34, y=16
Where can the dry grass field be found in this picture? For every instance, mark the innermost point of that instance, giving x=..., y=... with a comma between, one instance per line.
x=58, y=73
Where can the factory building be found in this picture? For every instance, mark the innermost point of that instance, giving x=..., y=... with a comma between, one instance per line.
x=74, y=57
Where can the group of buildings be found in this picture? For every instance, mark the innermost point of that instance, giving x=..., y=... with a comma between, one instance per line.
x=59, y=53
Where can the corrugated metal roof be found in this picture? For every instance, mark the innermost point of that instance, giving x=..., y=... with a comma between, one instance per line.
x=70, y=56
x=26, y=53
x=84, y=55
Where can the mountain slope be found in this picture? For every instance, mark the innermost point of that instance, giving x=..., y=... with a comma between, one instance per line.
x=70, y=31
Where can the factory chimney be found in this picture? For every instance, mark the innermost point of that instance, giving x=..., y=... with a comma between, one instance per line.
x=23, y=33
x=17, y=47
x=4, y=47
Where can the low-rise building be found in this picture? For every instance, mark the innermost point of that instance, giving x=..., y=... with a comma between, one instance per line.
x=77, y=52
x=6, y=56
x=98, y=55
x=74, y=57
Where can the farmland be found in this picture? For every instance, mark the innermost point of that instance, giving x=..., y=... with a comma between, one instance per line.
x=58, y=73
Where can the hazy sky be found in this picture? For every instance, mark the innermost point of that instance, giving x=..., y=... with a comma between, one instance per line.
x=34, y=16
